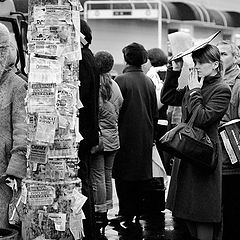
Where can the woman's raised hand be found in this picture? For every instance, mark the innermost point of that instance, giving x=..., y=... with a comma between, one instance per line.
x=193, y=80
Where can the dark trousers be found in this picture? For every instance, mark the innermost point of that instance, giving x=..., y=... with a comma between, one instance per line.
x=129, y=195
x=165, y=157
x=231, y=206
x=138, y=198
x=89, y=223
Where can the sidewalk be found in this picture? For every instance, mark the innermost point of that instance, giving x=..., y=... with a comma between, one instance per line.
x=162, y=227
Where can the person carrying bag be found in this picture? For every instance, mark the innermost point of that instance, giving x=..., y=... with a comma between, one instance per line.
x=194, y=193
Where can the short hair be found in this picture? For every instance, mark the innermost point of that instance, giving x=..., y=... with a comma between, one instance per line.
x=234, y=48
x=135, y=54
x=208, y=54
x=104, y=61
x=157, y=57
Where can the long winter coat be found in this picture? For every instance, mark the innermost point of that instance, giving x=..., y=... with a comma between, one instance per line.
x=133, y=161
x=13, y=128
x=194, y=194
x=89, y=92
x=232, y=78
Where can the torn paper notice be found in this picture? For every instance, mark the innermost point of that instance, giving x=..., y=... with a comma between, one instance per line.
x=59, y=220
x=46, y=126
x=40, y=195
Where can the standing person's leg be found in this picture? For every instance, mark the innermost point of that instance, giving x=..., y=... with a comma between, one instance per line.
x=89, y=224
x=97, y=173
x=126, y=195
x=120, y=195
x=98, y=182
x=109, y=159
x=201, y=231
x=205, y=231
x=231, y=206
x=191, y=226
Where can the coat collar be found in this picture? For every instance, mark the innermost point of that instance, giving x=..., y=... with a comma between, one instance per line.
x=131, y=68
x=212, y=79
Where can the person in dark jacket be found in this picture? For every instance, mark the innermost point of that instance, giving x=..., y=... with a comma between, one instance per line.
x=195, y=194
x=88, y=127
x=133, y=162
x=231, y=170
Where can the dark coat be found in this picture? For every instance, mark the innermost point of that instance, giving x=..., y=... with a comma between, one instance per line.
x=233, y=112
x=133, y=161
x=89, y=91
x=88, y=127
x=195, y=194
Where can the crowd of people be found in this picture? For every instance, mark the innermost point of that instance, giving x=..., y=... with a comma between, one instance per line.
x=150, y=86
x=123, y=118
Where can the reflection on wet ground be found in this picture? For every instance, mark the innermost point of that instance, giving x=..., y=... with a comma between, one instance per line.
x=159, y=227
x=162, y=227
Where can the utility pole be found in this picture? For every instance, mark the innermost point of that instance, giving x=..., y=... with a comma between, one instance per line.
x=51, y=192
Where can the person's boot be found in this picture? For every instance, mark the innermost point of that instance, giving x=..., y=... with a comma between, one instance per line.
x=105, y=221
x=101, y=223
x=115, y=221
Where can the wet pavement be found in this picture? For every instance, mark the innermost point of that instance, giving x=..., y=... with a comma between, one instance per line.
x=161, y=226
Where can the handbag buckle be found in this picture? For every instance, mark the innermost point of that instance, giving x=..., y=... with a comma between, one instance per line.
x=180, y=136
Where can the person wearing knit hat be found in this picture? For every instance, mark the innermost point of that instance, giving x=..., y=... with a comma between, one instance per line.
x=132, y=167
x=13, y=135
x=110, y=102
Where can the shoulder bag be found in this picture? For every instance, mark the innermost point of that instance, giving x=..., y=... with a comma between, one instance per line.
x=190, y=143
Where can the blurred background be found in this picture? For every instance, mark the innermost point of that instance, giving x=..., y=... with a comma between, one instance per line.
x=118, y=23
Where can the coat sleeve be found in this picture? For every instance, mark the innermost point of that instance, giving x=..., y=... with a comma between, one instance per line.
x=89, y=92
x=214, y=109
x=18, y=163
x=170, y=95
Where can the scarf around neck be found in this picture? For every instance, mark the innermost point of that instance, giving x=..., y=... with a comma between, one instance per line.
x=231, y=74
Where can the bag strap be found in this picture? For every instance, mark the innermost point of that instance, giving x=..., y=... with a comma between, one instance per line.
x=192, y=118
